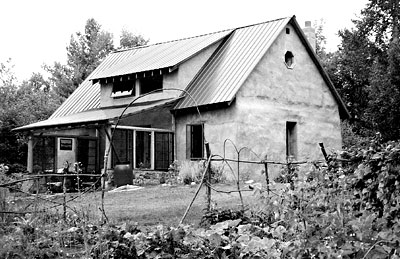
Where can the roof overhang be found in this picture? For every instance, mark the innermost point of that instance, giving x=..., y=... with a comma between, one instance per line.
x=95, y=117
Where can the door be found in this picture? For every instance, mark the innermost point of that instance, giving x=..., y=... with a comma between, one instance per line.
x=143, y=149
x=87, y=155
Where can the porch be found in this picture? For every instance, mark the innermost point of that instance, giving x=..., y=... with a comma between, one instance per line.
x=141, y=147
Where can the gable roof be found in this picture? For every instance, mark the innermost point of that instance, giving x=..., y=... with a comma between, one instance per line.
x=220, y=79
x=225, y=72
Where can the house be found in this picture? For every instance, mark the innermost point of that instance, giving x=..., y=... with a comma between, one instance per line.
x=260, y=86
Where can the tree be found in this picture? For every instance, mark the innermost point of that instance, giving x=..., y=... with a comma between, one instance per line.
x=320, y=39
x=84, y=54
x=29, y=102
x=380, y=23
x=366, y=69
x=129, y=40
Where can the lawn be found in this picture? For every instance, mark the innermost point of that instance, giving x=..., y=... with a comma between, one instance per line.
x=159, y=204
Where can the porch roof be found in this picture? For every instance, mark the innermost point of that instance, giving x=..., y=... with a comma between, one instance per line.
x=99, y=116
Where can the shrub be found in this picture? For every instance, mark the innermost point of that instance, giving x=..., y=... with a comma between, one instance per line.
x=190, y=171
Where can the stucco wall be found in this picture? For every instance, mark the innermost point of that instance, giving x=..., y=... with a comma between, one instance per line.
x=272, y=95
x=178, y=78
x=219, y=125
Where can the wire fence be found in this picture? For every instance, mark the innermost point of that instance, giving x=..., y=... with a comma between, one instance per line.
x=42, y=202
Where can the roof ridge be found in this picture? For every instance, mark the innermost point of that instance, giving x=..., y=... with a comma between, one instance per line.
x=198, y=36
x=169, y=41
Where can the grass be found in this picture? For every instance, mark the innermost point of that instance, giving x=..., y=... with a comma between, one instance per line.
x=151, y=205
x=154, y=205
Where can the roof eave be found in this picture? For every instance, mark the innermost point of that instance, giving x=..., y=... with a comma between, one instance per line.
x=61, y=126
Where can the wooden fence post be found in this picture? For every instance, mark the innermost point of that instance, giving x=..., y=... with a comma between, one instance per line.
x=321, y=145
x=3, y=203
x=37, y=195
x=65, y=198
x=208, y=153
x=266, y=172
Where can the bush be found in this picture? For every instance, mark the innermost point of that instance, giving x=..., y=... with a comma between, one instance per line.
x=190, y=171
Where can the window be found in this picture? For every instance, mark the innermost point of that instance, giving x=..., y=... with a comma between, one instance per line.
x=143, y=149
x=148, y=84
x=123, y=88
x=289, y=59
x=44, y=152
x=87, y=154
x=194, y=141
x=164, y=150
x=291, y=140
x=287, y=30
x=122, y=147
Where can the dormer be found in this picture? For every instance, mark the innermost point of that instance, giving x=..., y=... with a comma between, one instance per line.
x=120, y=90
x=135, y=72
x=133, y=86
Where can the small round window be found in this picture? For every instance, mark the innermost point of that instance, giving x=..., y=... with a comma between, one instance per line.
x=289, y=59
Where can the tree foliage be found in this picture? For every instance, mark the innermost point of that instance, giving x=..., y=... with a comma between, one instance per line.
x=366, y=69
x=129, y=40
x=84, y=53
x=21, y=104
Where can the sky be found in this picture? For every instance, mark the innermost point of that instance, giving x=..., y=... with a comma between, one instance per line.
x=37, y=32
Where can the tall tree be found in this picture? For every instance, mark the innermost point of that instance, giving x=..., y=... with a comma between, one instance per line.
x=380, y=23
x=366, y=69
x=84, y=54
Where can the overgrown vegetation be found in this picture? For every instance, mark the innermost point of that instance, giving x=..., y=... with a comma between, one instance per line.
x=347, y=209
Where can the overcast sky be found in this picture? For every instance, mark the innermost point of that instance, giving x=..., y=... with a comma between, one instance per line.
x=34, y=32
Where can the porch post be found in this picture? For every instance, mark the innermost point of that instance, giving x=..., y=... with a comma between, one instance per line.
x=174, y=136
x=29, y=163
x=107, y=147
x=152, y=150
x=134, y=149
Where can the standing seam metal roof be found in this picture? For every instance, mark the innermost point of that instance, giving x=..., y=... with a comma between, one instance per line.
x=218, y=81
x=156, y=56
x=222, y=76
x=139, y=59
x=85, y=97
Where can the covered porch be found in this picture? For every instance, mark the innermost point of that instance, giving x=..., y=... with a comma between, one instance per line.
x=144, y=138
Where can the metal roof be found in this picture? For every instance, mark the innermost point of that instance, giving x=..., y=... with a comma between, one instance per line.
x=217, y=81
x=156, y=56
x=223, y=75
x=95, y=116
x=85, y=97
